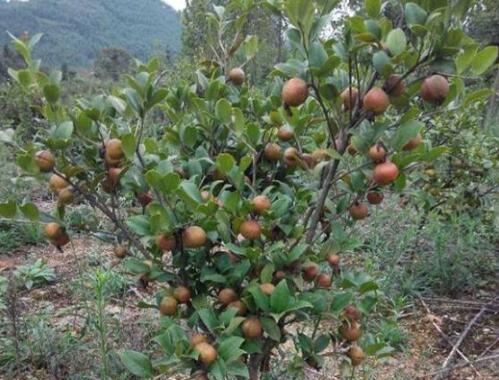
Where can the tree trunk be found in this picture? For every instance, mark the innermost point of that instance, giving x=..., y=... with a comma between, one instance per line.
x=254, y=364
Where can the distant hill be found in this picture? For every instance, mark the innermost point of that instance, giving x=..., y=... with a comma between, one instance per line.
x=76, y=30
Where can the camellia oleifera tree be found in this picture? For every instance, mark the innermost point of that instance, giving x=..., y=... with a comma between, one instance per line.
x=241, y=205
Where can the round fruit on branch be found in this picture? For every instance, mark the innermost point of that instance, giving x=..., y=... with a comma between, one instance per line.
x=294, y=92
x=45, y=160
x=237, y=76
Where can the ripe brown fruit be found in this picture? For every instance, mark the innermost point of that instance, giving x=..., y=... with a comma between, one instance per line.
x=113, y=176
x=66, y=195
x=285, y=133
x=333, y=259
x=359, y=211
x=112, y=162
x=250, y=229
x=168, y=306
x=349, y=97
x=323, y=280
x=45, y=160
x=207, y=353
x=320, y=155
x=165, y=242
x=279, y=275
x=272, y=152
x=237, y=76
x=182, y=294
x=414, y=142
x=62, y=240
x=120, y=251
x=194, y=237
x=377, y=153
x=291, y=157
x=53, y=230
x=114, y=149
x=375, y=197
x=394, y=86
x=309, y=160
x=376, y=100
x=385, y=173
x=240, y=306
x=144, y=198
x=352, y=313
x=252, y=328
x=356, y=355
x=261, y=204
x=57, y=183
x=267, y=288
x=310, y=271
x=294, y=92
x=350, y=331
x=227, y=296
x=197, y=339
x=434, y=89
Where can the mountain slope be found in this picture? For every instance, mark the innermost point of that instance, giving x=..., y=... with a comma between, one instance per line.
x=76, y=30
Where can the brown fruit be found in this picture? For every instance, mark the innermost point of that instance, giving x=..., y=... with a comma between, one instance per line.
x=197, y=339
x=333, y=259
x=237, y=76
x=385, y=173
x=279, y=275
x=376, y=100
x=434, y=89
x=394, y=86
x=45, y=160
x=310, y=271
x=240, y=306
x=352, y=313
x=285, y=133
x=207, y=353
x=320, y=155
x=291, y=157
x=182, y=294
x=272, y=152
x=351, y=150
x=377, y=153
x=323, y=280
x=359, y=211
x=350, y=331
x=53, y=230
x=165, y=242
x=349, y=97
x=227, y=296
x=57, y=183
x=194, y=237
x=113, y=176
x=62, y=240
x=114, y=149
x=267, y=288
x=112, y=162
x=168, y=306
x=250, y=229
x=356, y=355
x=144, y=198
x=66, y=195
x=252, y=328
x=414, y=142
x=309, y=160
x=375, y=197
x=261, y=204
x=120, y=251
x=294, y=92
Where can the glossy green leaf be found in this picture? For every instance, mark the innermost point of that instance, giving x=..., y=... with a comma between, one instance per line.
x=137, y=363
x=396, y=41
x=484, y=60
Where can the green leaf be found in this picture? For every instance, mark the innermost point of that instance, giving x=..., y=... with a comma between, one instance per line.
x=271, y=328
x=238, y=369
x=484, y=59
x=209, y=319
x=223, y=111
x=51, y=92
x=396, y=41
x=191, y=190
x=8, y=209
x=7, y=135
x=30, y=211
x=225, y=162
x=118, y=103
x=464, y=59
x=137, y=363
x=414, y=14
x=382, y=63
x=317, y=55
x=229, y=348
x=340, y=301
x=280, y=298
x=267, y=273
x=63, y=131
x=373, y=7
x=139, y=224
x=128, y=144
x=477, y=96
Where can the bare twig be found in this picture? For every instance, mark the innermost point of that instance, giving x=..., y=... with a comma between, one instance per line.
x=469, y=363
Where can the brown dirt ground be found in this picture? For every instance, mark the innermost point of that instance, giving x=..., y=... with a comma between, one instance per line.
x=422, y=358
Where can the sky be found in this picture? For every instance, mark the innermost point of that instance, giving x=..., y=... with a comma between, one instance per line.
x=177, y=4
